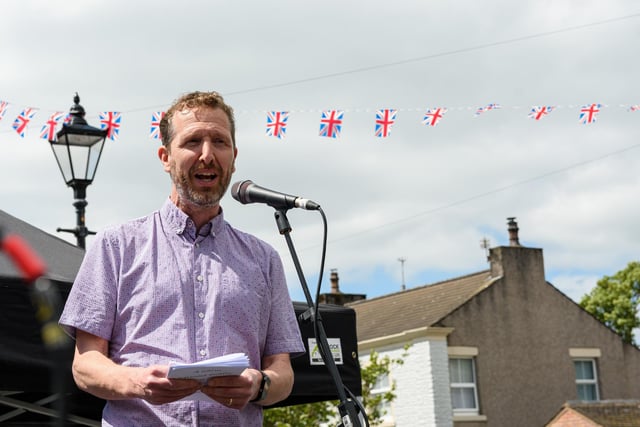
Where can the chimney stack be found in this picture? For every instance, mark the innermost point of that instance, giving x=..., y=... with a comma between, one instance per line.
x=513, y=232
x=335, y=287
x=335, y=296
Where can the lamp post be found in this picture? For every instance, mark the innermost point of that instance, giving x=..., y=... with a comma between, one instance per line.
x=77, y=149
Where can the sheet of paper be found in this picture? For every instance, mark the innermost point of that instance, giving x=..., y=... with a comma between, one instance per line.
x=229, y=364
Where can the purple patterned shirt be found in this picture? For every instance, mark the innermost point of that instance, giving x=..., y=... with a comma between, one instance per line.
x=159, y=292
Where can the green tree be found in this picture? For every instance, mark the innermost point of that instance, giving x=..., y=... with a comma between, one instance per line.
x=614, y=301
x=314, y=414
x=375, y=370
x=305, y=415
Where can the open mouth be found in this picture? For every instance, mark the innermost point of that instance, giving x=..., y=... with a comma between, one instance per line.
x=206, y=176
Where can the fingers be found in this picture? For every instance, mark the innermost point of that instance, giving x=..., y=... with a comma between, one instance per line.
x=230, y=397
x=233, y=391
x=158, y=393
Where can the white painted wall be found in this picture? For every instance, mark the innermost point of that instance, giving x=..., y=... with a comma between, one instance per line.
x=423, y=395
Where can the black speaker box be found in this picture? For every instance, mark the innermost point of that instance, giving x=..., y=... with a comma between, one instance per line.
x=313, y=383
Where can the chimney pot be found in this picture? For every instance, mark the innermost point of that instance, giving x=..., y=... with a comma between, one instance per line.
x=335, y=287
x=513, y=232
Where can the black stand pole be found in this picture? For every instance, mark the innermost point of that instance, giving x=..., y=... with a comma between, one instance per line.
x=347, y=408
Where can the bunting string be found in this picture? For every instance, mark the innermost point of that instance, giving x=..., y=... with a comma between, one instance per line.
x=330, y=121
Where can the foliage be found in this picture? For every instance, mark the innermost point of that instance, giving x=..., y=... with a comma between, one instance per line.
x=305, y=415
x=376, y=369
x=614, y=301
x=317, y=413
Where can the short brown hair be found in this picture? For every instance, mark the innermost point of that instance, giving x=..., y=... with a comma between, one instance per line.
x=194, y=100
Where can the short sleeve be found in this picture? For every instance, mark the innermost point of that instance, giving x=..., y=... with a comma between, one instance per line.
x=91, y=303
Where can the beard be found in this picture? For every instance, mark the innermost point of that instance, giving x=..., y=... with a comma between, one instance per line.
x=205, y=198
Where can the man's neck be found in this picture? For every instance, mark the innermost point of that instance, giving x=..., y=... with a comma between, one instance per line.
x=200, y=215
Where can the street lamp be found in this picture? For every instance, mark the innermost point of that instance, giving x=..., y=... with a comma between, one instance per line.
x=77, y=149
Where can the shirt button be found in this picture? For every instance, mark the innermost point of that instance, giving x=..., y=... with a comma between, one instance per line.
x=197, y=245
x=199, y=278
x=203, y=353
x=201, y=315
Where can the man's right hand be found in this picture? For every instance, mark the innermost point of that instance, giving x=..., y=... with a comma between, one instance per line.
x=95, y=373
x=156, y=388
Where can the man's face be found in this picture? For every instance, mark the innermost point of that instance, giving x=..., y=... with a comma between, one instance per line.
x=201, y=156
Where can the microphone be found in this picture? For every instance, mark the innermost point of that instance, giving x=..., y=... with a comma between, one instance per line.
x=247, y=192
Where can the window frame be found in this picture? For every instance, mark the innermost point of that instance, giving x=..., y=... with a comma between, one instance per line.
x=588, y=382
x=384, y=385
x=473, y=385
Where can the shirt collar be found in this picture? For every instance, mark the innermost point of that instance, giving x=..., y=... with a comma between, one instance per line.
x=180, y=223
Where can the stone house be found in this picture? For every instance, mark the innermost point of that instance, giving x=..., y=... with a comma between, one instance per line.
x=500, y=347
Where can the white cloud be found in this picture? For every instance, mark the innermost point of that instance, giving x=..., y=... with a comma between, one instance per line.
x=426, y=194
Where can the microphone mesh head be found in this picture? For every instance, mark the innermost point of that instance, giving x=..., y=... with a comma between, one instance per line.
x=238, y=191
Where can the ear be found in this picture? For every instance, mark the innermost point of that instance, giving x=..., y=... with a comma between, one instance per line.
x=235, y=156
x=163, y=155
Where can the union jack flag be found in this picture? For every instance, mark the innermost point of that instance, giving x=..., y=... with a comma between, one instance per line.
x=154, y=133
x=331, y=123
x=67, y=119
x=21, y=122
x=110, y=120
x=539, y=111
x=277, y=123
x=48, y=131
x=3, y=108
x=588, y=113
x=634, y=108
x=384, y=120
x=433, y=115
x=489, y=107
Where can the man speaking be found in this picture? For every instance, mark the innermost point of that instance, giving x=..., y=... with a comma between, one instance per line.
x=182, y=285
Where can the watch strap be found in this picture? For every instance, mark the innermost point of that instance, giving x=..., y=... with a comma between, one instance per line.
x=264, y=387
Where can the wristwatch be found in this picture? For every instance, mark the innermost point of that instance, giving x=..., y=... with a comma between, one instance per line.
x=264, y=388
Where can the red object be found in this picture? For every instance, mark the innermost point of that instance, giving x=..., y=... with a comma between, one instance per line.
x=24, y=258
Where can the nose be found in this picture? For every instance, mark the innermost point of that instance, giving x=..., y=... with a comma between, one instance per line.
x=207, y=155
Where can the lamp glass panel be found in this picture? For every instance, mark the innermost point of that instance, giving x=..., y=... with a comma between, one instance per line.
x=93, y=158
x=77, y=161
x=60, y=152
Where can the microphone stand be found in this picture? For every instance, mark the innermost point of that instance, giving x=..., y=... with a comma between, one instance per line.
x=346, y=408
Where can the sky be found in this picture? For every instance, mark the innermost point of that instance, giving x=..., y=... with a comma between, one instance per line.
x=428, y=195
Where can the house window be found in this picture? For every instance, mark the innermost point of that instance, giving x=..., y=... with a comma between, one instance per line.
x=380, y=388
x=464, y=394
x=586, y=379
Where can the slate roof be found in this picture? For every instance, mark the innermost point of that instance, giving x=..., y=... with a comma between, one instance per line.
x=416, y=307
x=61, y=257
